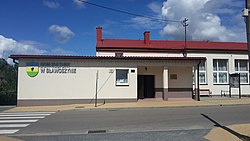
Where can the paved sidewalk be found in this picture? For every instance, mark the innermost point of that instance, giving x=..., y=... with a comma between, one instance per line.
x=5, y=138
x=204, y=102
x=240, y=132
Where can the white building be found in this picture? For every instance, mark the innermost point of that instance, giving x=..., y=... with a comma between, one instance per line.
x=129, y=70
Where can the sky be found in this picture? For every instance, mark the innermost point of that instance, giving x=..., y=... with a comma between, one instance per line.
x=67, y=27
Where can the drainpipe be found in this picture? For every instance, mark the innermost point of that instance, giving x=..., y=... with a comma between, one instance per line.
x=198, y=82
x=15, y=62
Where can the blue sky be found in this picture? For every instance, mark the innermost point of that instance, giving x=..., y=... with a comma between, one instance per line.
x=68, y=26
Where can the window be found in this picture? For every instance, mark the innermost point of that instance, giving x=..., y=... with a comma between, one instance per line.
x=241, y=67
x=202, y=73
x=118, y=54
x=122, y=77
x=220, y=71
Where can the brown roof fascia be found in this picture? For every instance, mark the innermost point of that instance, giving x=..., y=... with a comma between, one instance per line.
x=103, y=57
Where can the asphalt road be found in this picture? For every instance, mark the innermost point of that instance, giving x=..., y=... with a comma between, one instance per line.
x=3, y=108
x=188, y=123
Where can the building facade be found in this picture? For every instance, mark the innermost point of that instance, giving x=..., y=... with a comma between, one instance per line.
x=130, y=70
x=222, y=59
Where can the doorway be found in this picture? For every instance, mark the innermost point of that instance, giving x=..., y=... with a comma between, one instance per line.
x=145, y=84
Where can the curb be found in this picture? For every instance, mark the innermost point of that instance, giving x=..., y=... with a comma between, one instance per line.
x=120, y=106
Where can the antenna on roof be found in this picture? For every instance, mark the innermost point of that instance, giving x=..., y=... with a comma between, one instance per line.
x=185, y=24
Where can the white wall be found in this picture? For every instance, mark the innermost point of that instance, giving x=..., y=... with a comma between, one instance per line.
x=184, y=77
x=81, y=85
x=140, y=54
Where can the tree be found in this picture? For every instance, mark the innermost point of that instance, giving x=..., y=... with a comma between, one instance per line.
x=8, y=83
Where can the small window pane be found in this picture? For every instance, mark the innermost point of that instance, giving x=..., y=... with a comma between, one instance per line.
x=215, y=77
x=243, y=65
x=215, y=65
x=202, y=66
x=121, y=76
x=243, y=78
x=202, y=77
x=222, y=77
x=236, y=65
x=222, y=65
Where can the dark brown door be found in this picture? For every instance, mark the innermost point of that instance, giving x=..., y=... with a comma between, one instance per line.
x=145, y=85
x=140, y=87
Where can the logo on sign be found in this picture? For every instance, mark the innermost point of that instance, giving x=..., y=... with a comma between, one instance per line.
x=32, y=69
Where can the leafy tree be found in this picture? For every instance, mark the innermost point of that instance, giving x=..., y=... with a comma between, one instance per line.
x=8, y=83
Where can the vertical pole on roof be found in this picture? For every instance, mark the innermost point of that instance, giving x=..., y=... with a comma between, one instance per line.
x=247, y=20
x=96, y=88
x=185, y=24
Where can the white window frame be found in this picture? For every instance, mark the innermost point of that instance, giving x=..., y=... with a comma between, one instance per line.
x=218, y=72
x=203, y=71
x=119, y=83
x=237, y=65
x=200, y=71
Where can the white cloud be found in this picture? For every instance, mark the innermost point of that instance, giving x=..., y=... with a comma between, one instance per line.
x=61, y=33
x=51, y=4
x=79, y=3
x=207, y=20
x=149, y=23
x=10, y=46
x=61, y=51
x=139, y=22
x=155, y=7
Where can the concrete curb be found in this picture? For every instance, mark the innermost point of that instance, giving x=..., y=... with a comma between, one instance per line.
x=135, y=105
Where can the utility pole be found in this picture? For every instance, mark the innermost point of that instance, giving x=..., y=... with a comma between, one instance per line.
x=247, y=20
x=185, y=24
x=96, y=87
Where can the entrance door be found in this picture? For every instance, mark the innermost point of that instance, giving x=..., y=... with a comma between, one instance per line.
x=145, y=86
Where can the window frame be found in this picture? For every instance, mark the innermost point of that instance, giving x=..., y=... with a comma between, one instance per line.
x=240, y=71
x=117, y=83
x=218, y=72
x=200, y=71
x=203, y=71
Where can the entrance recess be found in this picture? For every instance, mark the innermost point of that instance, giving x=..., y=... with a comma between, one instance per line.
x=145, y=84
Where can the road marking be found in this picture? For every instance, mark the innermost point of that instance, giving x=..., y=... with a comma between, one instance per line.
x=13, y=125
x=22, y=117
x=17, y=121
x=28, y=113
x=8, y=131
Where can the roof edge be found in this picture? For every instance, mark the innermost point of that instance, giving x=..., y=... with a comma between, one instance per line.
x=21, y=56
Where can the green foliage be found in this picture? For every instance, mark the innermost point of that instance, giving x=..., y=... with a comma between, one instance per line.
x=8, y=83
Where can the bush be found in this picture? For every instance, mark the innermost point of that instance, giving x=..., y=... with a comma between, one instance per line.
x=8, y=98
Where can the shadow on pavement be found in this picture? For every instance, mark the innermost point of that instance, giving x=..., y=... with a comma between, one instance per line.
x=240, y=136
x=5, y=108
